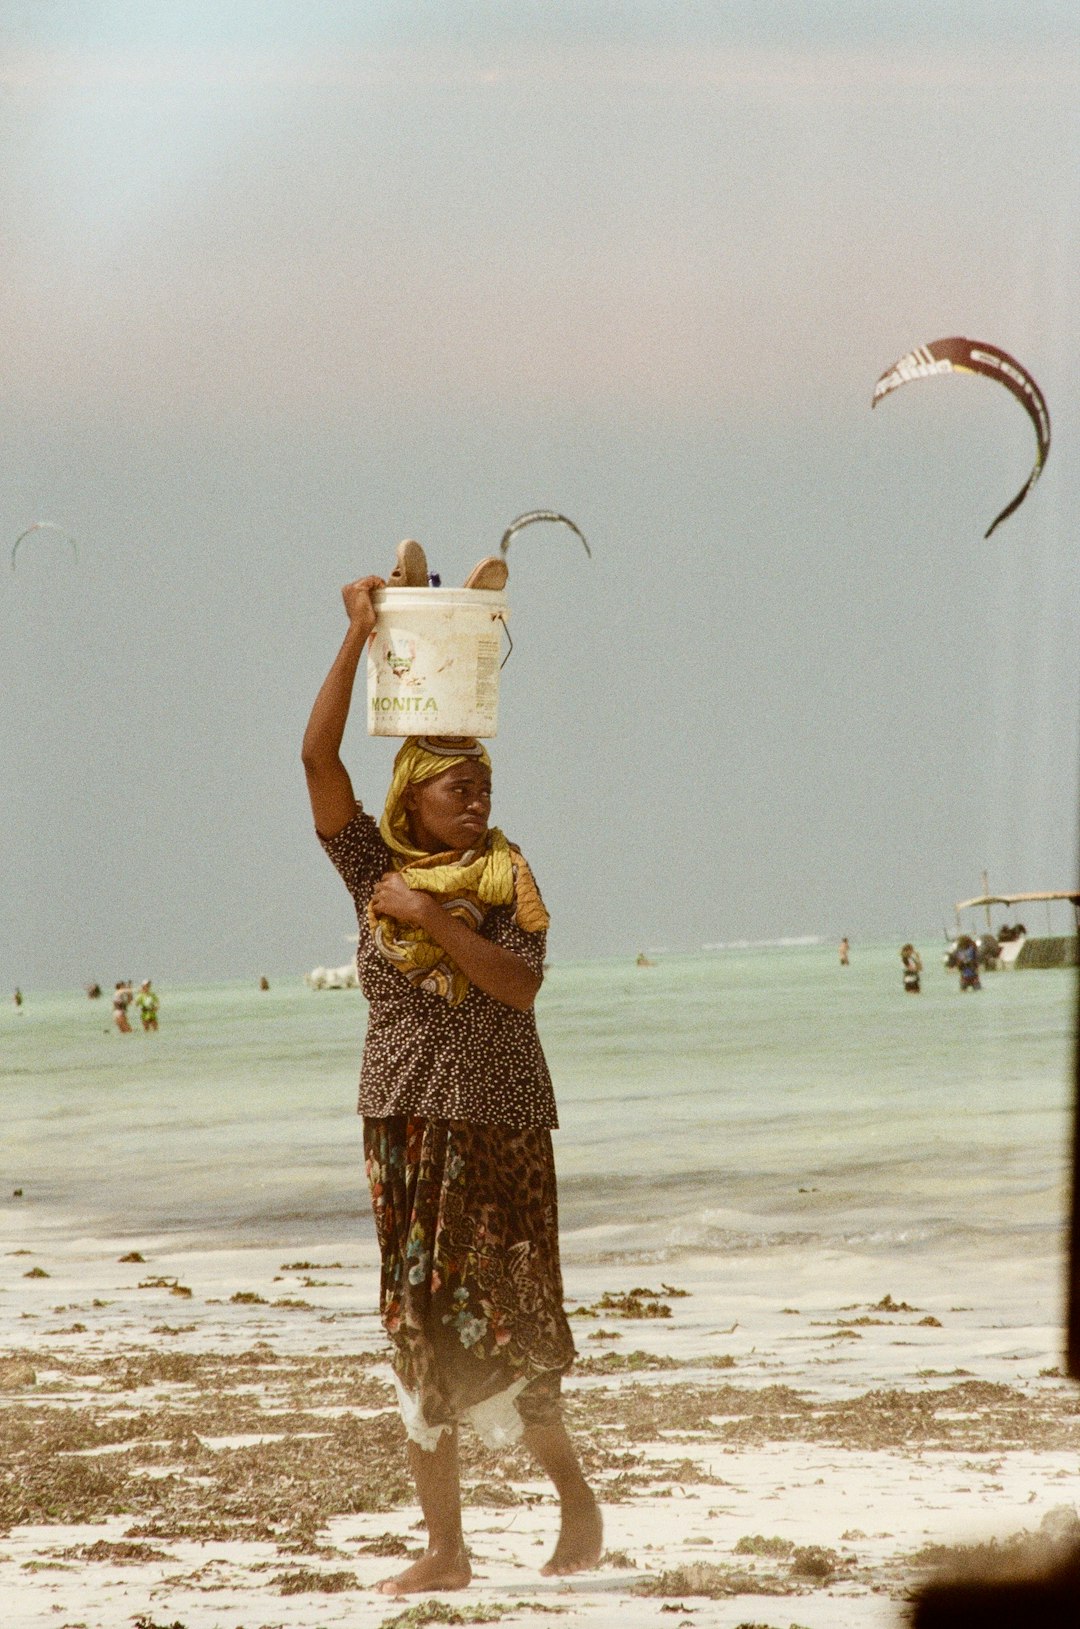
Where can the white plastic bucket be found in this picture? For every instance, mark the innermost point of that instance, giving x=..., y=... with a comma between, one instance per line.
x=433, y=666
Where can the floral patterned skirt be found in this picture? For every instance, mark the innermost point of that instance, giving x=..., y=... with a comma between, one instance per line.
x=471, y=1292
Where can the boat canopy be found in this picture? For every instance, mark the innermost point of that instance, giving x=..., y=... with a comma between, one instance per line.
x=1071, y=894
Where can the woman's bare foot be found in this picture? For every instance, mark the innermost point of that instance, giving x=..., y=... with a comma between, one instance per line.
x=581, y=1537
x=433, y=1571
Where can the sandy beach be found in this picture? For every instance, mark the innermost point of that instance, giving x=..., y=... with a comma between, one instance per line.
x=207, y=1439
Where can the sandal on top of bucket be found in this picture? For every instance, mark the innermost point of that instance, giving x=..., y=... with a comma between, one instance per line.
x=489, y=573
x=411, y=569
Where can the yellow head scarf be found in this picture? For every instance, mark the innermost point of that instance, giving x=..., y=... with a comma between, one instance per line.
x=467, y=884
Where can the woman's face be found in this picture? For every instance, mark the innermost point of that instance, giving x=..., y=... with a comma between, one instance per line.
x=451, y=811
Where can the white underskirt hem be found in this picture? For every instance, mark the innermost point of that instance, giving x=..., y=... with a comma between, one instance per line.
x=496, y=1421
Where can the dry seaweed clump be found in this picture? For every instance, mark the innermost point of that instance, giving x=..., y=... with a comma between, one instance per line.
x=625, y=1363
x=808, y=1566
x=973, y=1416
x=714, y=1581
x=425, y=1612
x=497, y=1494
x=720, y=1412
x=16, y=1374
x=306, y=1580
x=35, y=1488
x=636, y=1303
x=92, y=1449
x=388, y=1544
x=117, y=1551
x=170, y=1283
x=617, y=1558
x=757, y=1544
x=815, y=1561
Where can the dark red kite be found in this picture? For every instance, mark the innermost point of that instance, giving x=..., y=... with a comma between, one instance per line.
x=974, y=356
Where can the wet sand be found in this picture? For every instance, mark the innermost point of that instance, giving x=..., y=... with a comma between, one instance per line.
x=208, y=1439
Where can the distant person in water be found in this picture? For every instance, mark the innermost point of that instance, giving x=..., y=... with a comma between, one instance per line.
x=458, y=1112
x=17, y=997
x=911, y=962
x=967, y=963
x=94, y=991
x=264, y=983
x=121, y=1001
x=845, y=952
x=148, y=1003
x=643, y=960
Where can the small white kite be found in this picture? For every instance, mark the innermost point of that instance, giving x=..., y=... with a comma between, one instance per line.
x=42, y=526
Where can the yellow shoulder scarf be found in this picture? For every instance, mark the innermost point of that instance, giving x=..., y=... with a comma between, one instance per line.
x=466, y=884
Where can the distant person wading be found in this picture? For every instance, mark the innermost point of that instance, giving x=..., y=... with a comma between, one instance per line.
x=121, y=1001
x=911, y=962
x=458, y=1112
x=147, y=1002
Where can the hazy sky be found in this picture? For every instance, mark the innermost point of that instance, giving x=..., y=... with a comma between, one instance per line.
x=283, y=283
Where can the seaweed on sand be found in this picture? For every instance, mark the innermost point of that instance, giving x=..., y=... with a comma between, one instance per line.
x=716, y=1582
x=637, y=1303
x=757, y=1544
x=307, y=1580
x=422, y=1613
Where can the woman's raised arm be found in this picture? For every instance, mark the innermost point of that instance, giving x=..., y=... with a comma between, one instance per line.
x=333, y=802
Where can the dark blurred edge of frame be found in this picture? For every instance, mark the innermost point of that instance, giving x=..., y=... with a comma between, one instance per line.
x=1051, y=1600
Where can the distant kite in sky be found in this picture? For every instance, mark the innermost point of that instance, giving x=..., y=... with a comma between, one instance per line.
x=973, y=356
x=42, y=526
x=539, y=514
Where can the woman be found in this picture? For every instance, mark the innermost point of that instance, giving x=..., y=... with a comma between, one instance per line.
x=911, y=962
x=121, y=1001
x=148, y=1003
x=458, y=1112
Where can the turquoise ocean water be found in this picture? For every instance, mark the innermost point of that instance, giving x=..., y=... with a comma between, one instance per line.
x=752, y=1099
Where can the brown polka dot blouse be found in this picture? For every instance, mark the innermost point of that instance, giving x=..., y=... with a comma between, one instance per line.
x=481, y=1061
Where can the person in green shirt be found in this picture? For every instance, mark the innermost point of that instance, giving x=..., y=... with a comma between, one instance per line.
x=147, y=1003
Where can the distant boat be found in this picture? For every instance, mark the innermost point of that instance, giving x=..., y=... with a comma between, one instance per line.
x=333, y=978
x=1013, y=946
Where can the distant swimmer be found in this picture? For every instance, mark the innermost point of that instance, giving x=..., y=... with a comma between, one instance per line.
x=93, y=991
x=148, y=1004
x=643, y=960
x=264, y=983
x=17, y=997
x=911, y=962
x=121, y=1001
x=845, y=952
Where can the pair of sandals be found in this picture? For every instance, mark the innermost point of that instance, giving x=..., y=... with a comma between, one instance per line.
x=411, y=570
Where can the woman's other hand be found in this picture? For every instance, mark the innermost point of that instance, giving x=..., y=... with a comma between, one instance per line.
x=495, y=969
x=393, y=897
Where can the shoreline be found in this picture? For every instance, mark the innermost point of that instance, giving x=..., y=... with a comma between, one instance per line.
x=208, y=1438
